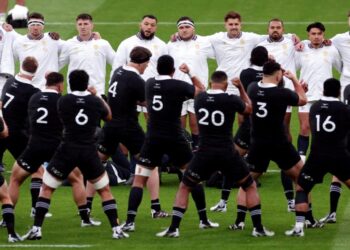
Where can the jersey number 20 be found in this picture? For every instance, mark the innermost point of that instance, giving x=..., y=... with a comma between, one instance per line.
x=217, y=117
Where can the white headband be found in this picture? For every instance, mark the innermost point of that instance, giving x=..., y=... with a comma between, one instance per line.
x=36, y=22
x=185, y=22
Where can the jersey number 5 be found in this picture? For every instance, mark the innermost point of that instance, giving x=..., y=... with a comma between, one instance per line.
x=157, y=103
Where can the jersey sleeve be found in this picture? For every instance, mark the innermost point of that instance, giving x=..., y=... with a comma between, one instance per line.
x=291, y=98
x=64, y=56
x=4, y=90
x=140, y=90
x=109, y=53
x=7, y=64
x=237, y=104
x=336, y=60
x=102, y=109
x=346, y=95
x=121, y=56
x=188, y=90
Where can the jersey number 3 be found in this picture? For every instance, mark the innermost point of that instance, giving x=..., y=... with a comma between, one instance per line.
x=262, y=111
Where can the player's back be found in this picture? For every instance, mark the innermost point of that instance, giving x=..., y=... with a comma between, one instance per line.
x=43, y=117
x=215, y=111
x=330, y=125
x=269, y=107
x=80, y=113
x=126, y=89
x=250, y=75
x=15, y=97
x=164, y=98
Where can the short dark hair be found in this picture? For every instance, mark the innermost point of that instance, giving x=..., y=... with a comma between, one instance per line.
x=270, y=67
x=140, y=54
x=84, y=16
x=165, y=65
x=30, y=64
x=36, y=15
x=150, y=16
x=54, y=78
x=316, y=25
x=233, y=15
x=183, y=18
x=331, y=87
x=276, y=20
x=78, y=80
x=218, y=77
x=259, y=56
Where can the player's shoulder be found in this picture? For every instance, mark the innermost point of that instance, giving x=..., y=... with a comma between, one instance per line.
x=159, y=41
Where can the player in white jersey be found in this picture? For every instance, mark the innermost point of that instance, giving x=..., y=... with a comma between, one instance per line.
x=315, y=63
x=194, y=51
x=84, y=52
x=36, y=44
x=145, y=38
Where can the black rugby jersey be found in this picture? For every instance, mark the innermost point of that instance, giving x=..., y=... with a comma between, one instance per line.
x=80, y=113
x=215, y=111
x=164, y=97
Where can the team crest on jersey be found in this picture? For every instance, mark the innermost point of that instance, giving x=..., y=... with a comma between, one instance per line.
x=43, y=42
x=260, y=93
x=210, y=99
x=325, y=53
x=96, y=46
x=242, y=41
x=80, y=100
x=155, y=46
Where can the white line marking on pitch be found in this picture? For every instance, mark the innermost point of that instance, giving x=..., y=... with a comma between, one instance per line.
x=197, y=23
x=42, y=246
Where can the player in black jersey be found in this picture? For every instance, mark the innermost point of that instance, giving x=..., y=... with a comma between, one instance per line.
x=336, y=186
x=45, y=135
x=164, y=97
x=330, y=126
x=215, y=111
x=7, y=205
x=80, y=113
x=15, y=96
x=258, y=57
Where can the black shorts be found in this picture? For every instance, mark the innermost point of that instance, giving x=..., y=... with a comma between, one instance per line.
x=131, y=137
x=69, y=156
x=206, y=162
x=153, y=150
x=36, y=153
x=260, y=155
x=15, y=143
x=317, y=166
x=242, y=138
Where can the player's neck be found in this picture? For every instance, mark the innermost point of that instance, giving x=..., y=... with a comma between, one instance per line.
x=86, y=37
x=269, y=80
x=24, y=76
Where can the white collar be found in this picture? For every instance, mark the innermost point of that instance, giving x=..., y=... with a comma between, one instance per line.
x=215, y=91
x=162, y=77
x=260, y=68
x=266, y=85
x=329, y=98
x=50, y=91
x=81, y=93
x=21, y=79
x=129, y=68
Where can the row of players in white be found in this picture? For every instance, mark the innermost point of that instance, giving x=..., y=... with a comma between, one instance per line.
x=231, y=50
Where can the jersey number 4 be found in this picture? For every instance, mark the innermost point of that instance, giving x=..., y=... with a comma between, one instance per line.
x=113, y=89
x=217, y=118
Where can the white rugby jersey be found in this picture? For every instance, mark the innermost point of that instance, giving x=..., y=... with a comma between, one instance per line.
x=155, y=45
x=284, y=53
x=195, y=53
x=233, y=54
x=45, y=51
x=342, y=43
x=316, y=66
x=6, y=41
x=90, y=56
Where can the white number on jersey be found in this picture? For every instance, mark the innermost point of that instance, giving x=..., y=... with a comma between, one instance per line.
x=262, y=110
x=81, y=118
x=327, y=125
x=11, y=97
x=113, y=89
x=41, y=118
x=157, y=103
x=217, y=117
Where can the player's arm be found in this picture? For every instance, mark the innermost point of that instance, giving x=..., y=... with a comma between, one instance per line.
x=244, y=96
x=106, y=107
x=299, y=88
x=195, y=80
x=4, y=132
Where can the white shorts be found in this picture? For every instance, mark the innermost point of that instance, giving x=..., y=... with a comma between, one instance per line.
x=187, y=106
x=142, y=109
x=289, y=109
x=306, y=107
